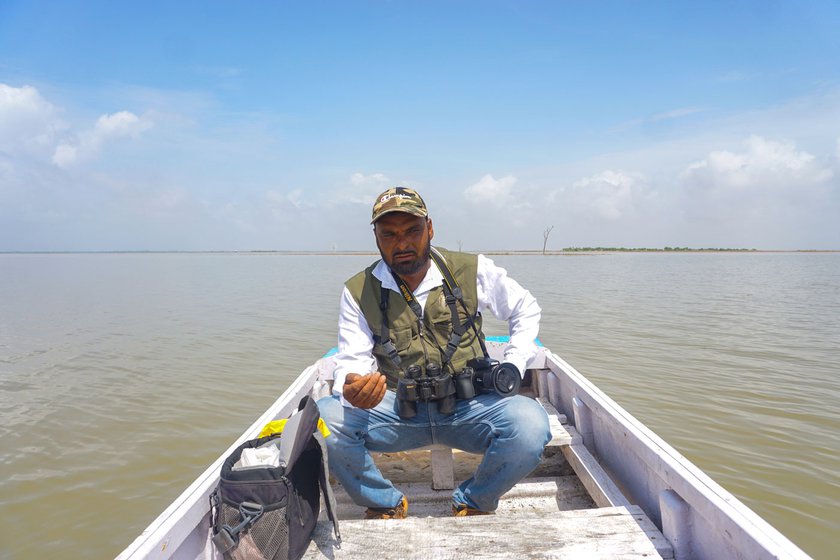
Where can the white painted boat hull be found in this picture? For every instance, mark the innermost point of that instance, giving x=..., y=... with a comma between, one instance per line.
x=621, y=462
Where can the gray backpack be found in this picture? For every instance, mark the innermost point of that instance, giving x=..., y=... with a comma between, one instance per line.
x=269, y=513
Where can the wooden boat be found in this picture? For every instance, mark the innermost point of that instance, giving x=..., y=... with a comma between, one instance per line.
x=608, y=487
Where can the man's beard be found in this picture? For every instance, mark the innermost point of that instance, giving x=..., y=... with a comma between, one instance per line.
x=407, y=268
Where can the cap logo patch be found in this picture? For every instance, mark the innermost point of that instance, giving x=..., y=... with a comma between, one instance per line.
x=387, y=197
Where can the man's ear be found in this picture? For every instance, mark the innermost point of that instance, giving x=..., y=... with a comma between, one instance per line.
x=431, y=228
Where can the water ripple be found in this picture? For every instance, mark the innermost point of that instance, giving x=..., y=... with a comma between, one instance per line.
x=123, y=376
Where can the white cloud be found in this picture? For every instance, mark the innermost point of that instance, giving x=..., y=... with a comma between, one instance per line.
x=362, y=189
x=373, y=179
x=769, y=194
x=203, y=184
x=609, y=194
x=22, y=105
x=296, y=198
x=29, y=125
x=169, y=199
x=240, y=217
x=89, y=144
x=120, y=124
x=283, y=204
x=491, y=190
x=764, y=165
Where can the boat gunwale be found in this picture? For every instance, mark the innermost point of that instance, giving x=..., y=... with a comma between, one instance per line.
x=721, y=509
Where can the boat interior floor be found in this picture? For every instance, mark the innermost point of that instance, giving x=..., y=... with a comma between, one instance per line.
x=549, y=514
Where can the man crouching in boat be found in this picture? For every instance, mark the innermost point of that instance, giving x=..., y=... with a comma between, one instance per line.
x=412, y=369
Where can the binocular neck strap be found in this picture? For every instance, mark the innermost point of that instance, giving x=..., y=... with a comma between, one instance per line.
x=453, y=293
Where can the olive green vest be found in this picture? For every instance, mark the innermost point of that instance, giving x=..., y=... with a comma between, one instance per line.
x=413, y=346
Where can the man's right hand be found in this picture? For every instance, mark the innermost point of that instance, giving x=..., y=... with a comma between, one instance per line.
x=364, y=391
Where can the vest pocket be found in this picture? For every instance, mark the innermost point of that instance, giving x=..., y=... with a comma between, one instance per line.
x=442, y=328
x=402, y=338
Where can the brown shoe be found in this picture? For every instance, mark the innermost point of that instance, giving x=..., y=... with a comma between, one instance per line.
x=462, y=510
x=399, y=511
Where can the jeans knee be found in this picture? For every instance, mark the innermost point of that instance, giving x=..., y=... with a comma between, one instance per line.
x=325, y=405
x=332, y=414
x=530, y=423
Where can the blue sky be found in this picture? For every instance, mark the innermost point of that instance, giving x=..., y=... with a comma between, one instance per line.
x=273, y=125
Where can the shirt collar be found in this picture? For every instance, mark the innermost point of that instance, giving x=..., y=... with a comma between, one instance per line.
x=432, y=280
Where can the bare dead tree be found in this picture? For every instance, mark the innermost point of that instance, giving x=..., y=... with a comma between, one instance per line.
x=546, y=233
x=460, y=243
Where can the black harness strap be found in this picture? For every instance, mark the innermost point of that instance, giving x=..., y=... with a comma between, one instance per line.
x=384, y=336
x=453, y=293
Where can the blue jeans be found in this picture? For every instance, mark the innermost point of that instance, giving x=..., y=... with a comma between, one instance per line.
x=510, y=432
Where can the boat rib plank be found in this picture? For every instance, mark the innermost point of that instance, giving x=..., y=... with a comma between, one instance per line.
x=603, y=533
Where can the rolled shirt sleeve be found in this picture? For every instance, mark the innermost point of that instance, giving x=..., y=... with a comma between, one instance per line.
x=355, y=343
x=508, y=301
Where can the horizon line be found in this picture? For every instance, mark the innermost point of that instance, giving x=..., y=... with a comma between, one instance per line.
x=564, y=251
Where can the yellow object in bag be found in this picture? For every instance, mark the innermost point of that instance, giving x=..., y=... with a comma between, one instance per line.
x=276, y=427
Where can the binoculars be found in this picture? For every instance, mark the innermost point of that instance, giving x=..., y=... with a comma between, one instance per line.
x=429, y=385
x=482, y=375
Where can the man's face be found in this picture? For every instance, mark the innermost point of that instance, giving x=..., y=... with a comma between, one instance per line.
x=404, y=241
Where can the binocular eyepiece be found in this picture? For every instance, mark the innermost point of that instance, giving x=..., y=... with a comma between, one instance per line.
x=482, y=375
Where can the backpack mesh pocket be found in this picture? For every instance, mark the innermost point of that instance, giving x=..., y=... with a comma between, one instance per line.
x=266, y=539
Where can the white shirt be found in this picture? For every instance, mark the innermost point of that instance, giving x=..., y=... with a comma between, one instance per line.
x=497, y=293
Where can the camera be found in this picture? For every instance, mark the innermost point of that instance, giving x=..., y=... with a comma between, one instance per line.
x=485, y=375
x=430, y=384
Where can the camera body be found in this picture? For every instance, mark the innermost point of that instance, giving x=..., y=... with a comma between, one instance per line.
x=485, y=375
x=424, y=385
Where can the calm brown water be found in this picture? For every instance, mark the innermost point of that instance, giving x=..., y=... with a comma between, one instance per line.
x=122, y=376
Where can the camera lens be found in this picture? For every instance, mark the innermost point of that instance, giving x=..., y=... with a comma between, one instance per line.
x=506, y=379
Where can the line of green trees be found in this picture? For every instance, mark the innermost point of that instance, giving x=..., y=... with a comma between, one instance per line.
x=641, y=249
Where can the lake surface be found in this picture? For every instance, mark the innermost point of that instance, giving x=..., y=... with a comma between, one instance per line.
x=122, y=376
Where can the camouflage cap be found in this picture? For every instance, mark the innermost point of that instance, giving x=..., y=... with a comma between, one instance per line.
x=399, y=199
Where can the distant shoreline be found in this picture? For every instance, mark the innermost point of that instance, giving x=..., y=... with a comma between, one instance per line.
x=570, y=251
